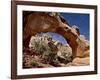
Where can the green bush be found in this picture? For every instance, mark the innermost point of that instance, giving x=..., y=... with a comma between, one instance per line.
x=34, y=63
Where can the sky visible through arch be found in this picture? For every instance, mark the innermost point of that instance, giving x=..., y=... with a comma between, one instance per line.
x=78, y=19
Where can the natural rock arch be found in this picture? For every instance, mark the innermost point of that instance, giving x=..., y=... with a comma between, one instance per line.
x=36, y=22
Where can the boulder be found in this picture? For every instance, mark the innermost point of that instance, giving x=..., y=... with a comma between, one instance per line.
x=81, y=61
x=64, y=54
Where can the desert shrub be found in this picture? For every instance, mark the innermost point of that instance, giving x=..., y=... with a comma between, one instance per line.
x=48, y=50
x=48, y=53
x=34, y=63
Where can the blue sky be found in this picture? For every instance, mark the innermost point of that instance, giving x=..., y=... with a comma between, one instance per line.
x=80, y=20
x=57, y=37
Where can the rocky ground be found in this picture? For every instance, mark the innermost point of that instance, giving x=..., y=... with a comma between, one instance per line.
x=45, y=52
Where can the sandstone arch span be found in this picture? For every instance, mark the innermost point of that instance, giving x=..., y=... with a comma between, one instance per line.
x=36, y=22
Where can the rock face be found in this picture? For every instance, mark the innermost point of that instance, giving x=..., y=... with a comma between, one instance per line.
x=52, y=22
x=83, y=46
x=64, y=53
